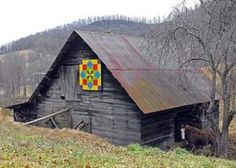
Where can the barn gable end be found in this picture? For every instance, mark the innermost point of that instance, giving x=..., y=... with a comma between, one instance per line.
x=110, y=113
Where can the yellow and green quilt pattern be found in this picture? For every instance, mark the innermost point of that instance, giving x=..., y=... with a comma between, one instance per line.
x=90, y=74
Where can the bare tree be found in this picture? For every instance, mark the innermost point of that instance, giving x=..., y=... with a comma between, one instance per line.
x=13, y=72
x=205, y=37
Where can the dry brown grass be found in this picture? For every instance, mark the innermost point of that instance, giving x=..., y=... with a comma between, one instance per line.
x=5, y=115
x=31, y=146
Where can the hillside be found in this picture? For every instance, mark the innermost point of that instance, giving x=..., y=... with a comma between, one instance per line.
x=40, y=147
x=51, y=40
x=23, y=62
x=20, y=72
x=120, y=27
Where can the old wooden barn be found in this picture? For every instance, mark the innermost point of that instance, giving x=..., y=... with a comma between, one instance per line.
x=108, y=86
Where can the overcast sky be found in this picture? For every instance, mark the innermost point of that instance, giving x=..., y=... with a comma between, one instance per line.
x=19, y=18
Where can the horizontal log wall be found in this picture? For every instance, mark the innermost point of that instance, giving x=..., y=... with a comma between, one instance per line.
x=158, y=129
x=163, y=128
x=50, y=101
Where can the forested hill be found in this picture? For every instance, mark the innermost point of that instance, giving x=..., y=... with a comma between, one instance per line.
x=50, y=41
x=24, y=62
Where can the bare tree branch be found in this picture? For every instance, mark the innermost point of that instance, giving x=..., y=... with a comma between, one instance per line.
x=193, y=59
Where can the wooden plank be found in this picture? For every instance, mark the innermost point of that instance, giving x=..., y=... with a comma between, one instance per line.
x=157, y=125
x=78, y=124
x=54, y=122
x=163, y=132
x=48, y=116
x=117, y=132
x=77, y=53
x=157, y=140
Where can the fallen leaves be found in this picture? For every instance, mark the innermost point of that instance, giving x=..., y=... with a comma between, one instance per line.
x=28, y=147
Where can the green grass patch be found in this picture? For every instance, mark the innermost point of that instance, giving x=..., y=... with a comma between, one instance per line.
x=22, y=146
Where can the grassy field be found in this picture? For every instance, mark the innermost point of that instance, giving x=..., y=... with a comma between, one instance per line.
x=22, y=146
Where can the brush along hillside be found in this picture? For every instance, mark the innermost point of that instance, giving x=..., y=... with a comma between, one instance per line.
x=22, y=146
x=232, y=139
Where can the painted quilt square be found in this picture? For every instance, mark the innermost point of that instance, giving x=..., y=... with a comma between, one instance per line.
x=90, y=74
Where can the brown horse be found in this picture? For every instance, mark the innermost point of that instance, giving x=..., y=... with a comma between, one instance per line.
x=196, y=137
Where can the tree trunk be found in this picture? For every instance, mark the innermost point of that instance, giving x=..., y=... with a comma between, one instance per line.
x=223, y=148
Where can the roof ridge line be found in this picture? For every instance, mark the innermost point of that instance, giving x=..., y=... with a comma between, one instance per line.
x=108, y=34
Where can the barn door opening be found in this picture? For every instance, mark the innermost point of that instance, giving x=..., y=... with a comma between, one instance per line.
x=69, y=82
x=185, y=118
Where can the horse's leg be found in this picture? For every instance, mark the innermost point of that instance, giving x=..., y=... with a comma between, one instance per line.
x=213, y=148
x=192, y=146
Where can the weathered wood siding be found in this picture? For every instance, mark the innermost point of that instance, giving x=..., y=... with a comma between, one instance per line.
x=158, y=128
x=110, y=113
x=49, y=101
x=163, y=128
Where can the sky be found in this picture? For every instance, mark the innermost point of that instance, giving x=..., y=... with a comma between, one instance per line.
x=20, y=18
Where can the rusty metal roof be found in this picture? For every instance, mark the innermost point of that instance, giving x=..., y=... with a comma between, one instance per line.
x=157, y=90
x=116, y=51
x=152, y=89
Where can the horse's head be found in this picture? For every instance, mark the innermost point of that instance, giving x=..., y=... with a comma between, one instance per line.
x=182, y=130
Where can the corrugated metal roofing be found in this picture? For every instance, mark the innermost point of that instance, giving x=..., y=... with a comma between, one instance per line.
x=151, y=89
x=157, y=90
x=116, y=51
